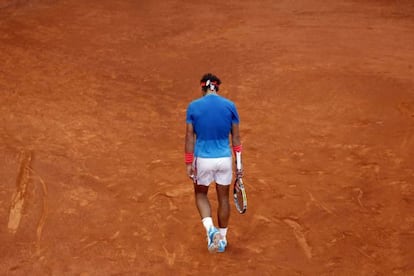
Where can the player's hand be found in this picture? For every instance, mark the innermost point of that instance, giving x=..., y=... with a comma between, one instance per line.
x=190, y=171
x=239, y=173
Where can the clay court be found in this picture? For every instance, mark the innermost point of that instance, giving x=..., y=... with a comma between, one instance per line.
x=93, y=97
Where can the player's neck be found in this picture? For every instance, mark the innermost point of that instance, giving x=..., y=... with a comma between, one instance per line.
x=210, y=92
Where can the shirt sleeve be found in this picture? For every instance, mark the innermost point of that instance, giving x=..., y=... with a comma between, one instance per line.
x=189, y=116
x=235, y=115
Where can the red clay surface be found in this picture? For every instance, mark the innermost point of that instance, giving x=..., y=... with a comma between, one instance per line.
x=93, y=99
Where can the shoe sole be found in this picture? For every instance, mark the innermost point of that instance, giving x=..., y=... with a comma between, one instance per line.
x=215, y=244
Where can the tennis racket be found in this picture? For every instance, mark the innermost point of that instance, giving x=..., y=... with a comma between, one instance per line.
x=239, y=192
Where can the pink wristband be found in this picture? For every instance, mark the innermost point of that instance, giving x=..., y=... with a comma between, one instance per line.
x=189, y=157
x=237, y=148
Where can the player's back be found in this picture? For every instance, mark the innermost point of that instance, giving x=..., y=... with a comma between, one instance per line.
x=212, y=117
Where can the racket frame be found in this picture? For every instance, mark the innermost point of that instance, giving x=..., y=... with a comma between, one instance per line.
x=239, y=186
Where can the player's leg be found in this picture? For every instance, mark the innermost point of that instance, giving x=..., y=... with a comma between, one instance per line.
x=223, y=180
x=223, y=214
x=204, y=178
x=223, y=210
x=201, y=199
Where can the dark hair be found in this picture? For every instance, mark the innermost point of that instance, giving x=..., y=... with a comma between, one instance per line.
x=210, y=80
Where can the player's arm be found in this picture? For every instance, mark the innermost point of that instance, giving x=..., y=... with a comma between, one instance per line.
x=237, y=148
x=189, y=149
x=235, y=135
x=189, y=139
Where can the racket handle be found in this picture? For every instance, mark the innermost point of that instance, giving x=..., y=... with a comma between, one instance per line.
x=238, y=160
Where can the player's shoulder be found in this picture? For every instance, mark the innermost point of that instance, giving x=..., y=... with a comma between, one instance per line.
x=228, y=101
x=195, y=102
x=206, y=101
x=225, y=99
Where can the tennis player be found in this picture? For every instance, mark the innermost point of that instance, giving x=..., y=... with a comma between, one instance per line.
x=210, y=122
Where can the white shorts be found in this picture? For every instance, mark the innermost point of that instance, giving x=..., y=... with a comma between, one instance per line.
x=219, y=170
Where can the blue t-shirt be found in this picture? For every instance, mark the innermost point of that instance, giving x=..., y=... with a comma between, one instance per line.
x=212, y=117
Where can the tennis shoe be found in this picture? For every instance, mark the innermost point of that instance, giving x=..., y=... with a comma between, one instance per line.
x=222, y=246
x=213, y=239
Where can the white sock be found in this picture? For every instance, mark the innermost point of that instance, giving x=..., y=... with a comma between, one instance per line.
x=223, y=233
x=207, y=222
